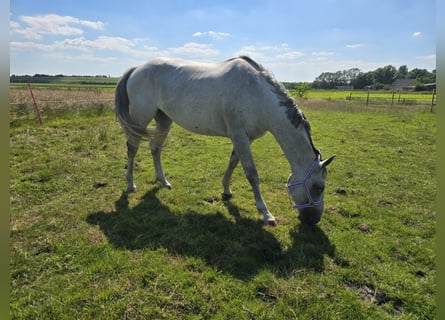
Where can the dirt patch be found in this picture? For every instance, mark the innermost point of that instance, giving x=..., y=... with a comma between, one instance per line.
x=376, y=296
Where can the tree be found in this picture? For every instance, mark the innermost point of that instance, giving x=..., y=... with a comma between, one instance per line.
x=350, y=75
x=331, y=80
x=363, y=80
x=325, y=81
x=402, y=73
x=379, y=79
x=422, y=75
x=385, y=75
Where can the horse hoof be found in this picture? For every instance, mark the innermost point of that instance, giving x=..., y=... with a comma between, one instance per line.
x=270, y=222
x=131, y=188
x=164, y=183
x=226, y=196
x=167, y=185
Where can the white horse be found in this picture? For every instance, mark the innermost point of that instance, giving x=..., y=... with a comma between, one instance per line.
x=238, y=99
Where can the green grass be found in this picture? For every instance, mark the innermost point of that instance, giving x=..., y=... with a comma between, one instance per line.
x=83, y=249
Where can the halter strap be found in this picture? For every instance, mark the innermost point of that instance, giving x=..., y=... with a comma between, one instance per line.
x=311, y=202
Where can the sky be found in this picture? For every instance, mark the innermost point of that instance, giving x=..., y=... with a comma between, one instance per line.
x=296, y=40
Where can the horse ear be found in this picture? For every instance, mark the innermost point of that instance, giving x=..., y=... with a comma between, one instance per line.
x=325, y=163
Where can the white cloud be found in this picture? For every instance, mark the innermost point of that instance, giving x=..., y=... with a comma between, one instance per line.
x=416, y=34
x=355, y=45
x=80, y=44
x=29, y=45
x=52, y=24
x=265, y=53
x=319, y=56
x=14, y=25
x=291, y=55
x=212, y=34
x=323, y=53
x=133, y=48
x=96, y=25
x=101, y=43
x=253, y=52
x=427, y=57
x=82, y=57
x=193, y=49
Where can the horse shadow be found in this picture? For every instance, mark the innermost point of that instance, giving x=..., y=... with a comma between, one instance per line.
x=242, y=247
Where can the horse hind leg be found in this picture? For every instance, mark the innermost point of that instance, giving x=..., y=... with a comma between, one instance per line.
x=132, y=149
x=233, y=162
x=163, y=124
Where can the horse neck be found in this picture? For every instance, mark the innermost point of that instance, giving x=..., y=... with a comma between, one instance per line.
x=295, y=143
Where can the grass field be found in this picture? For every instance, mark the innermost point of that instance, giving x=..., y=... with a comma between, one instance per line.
x=83, y=249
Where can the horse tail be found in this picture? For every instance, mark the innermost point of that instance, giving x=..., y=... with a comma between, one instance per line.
x=122, y=110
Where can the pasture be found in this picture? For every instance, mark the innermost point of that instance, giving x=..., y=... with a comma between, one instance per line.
x=83, y=249
x=381, y=97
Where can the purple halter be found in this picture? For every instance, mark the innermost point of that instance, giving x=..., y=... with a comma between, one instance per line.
x=311, y=202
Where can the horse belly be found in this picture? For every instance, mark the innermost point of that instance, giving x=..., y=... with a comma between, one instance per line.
x=197, y=118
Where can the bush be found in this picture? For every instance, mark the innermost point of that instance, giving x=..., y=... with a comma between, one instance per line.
x=301, y=89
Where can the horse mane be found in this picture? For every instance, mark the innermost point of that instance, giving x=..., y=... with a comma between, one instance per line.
x=294, y=114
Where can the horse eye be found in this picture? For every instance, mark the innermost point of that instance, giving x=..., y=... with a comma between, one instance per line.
x=319, y=188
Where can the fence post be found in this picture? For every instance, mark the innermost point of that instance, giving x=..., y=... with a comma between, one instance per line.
x=392, y=98
x=36, y=106
x=432, y=100
x=367, y=98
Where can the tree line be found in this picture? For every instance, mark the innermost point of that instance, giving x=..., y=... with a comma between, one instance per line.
x=45, y=78
x=381, y=78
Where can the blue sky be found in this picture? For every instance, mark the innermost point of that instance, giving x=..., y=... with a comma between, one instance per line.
x=296, y=40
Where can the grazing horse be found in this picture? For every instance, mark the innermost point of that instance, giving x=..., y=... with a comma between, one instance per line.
x=238, y=99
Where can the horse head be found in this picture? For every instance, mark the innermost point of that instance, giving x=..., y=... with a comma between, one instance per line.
x=308, y=194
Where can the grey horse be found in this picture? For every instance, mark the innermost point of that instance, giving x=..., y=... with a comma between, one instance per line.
x=238, y=99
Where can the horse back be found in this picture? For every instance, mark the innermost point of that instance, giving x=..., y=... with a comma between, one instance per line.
x=212, y=99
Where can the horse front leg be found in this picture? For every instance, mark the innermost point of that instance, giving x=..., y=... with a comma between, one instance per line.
x=241, y=145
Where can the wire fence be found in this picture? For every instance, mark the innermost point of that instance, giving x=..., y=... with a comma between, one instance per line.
x=51, y=101
x=396, y=98
x=24, y=103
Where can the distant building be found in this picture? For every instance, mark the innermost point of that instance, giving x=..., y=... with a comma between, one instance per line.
x=345, y=88
x=430, y=86
x=403, y=84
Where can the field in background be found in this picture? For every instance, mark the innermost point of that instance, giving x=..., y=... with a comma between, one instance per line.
x=108, y=84
x=83, y=249
x=64, y=82
x=385, y=98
